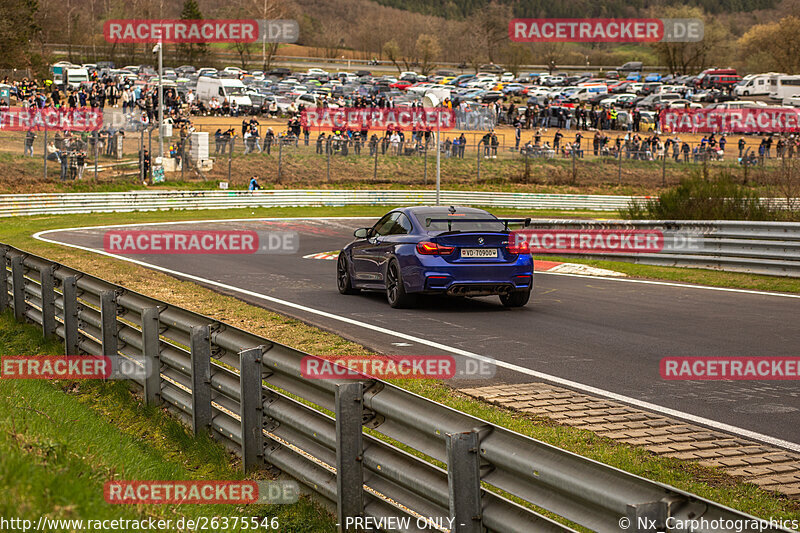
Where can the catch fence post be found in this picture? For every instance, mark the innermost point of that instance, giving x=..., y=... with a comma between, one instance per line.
x=47, y=283
x=200, y=346
x=252, y=408
x=69, y=290
x=280, y=159
x=349, y=452
x=464, y=482
x=152, y=355
x=18, y=287
x=3, y=280
x=108, y=320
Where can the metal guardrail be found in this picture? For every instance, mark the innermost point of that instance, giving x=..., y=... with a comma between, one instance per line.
x=770, y=248
x=72, y=203
x=248, y=392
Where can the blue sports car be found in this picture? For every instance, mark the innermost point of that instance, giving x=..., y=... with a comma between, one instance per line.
x=456, y=251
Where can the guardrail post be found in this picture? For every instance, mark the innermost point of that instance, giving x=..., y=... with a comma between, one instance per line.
x=200, y=345
x=69, y=289
x=108, y=320
x=251, y=403
x=349, y=452
x=464, y=482
x=18, y=287
x=152, y=356
x=3, y=281
x=47, y=282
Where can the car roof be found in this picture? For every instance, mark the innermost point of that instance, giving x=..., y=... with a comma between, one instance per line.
x=441, y=210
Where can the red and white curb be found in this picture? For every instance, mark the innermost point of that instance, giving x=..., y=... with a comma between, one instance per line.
x=574, y=268
x=331, y=256
x=538, y=266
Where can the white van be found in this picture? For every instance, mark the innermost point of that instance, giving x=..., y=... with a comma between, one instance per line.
x=758, y=84
x=781, y=87
x=223, y=89
x=588, y=90
x=73, y=77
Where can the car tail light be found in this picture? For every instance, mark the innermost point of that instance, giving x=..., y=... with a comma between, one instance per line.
x=521, y=247
x=431, y=248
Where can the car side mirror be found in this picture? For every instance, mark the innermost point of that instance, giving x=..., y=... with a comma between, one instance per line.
x=361, y=233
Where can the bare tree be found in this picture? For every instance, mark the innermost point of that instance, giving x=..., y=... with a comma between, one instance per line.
x=392, y=52
x=549, y=54
x=490, y=27
x=516, y=55
x=428, y=50
x=686, y=57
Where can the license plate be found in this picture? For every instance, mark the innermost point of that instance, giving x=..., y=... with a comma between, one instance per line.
x=478, y=252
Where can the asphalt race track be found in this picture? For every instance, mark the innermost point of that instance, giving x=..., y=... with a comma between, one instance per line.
x=581, y=332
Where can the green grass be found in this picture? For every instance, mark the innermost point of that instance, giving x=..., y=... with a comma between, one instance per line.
x=61, y=441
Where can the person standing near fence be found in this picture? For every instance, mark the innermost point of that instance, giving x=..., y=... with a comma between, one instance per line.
x=217, y=140
x=247, y=136
x=462, y=145
x=269, y=138
x=485, y=141
x=28, y=143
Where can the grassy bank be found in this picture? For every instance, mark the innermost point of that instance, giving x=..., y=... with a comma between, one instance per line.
x=61, y=441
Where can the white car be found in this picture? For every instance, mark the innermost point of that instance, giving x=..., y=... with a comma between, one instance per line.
x=538, y=91
x=635, y=88
x=422, y=88
x=507, y=77
x=316, y=72
x=793, y=100
x=617, y=98
x=682, y=104
x=233, y=70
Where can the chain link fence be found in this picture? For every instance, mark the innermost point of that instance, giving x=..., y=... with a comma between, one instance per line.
x=319, y=157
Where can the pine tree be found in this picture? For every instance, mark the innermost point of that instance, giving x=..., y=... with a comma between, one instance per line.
x=192, y=51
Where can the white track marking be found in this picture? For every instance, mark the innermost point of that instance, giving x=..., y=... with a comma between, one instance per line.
x=457, y=351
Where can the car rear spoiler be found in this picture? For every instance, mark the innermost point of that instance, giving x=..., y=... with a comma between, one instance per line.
x=506, y=221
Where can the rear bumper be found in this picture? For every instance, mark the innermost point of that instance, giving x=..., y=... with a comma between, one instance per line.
x=435, y=275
